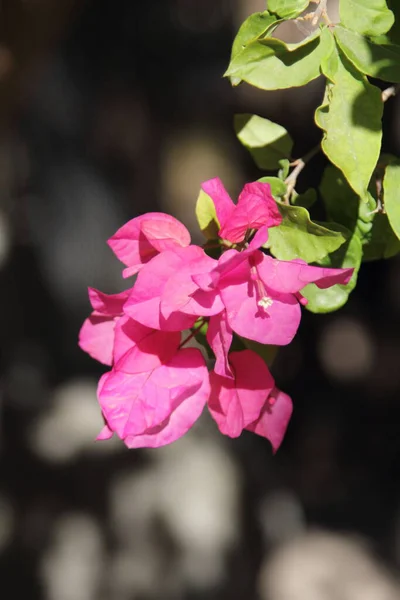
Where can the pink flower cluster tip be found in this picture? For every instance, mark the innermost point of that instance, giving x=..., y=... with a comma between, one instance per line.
x=157, y=386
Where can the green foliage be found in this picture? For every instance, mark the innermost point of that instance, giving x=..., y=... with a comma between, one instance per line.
x=267, y=353
x=391, y=190
x=360, y=188
x=278, y=187
x=267, y=141
x=369, y=17
x=299, y=237
x=377, y=60
x=333, y=298
x=287, y=9
x=351, y=120
x=270, y=64
x=207, y=216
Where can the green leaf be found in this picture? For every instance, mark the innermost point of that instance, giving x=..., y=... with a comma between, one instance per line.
x=287, y=9
x=351, y=120
x=270, y=64
x=267, y=353
x=380, y=242
x=278, y=187
x=391, y=190
x=306, y=199
x=333, y=298
x=207, y=216
x=267, y=141
x=256, y=26
x=344, y=206
x=369, y=17
x=284, y=169
x=380, y=61
x=298, y=237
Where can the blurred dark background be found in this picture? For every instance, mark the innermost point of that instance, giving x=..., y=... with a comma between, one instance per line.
x=109, y=110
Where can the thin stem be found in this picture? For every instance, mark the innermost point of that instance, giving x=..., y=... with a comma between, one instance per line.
x=389, y=92
x=298, y=165
x=193, y=333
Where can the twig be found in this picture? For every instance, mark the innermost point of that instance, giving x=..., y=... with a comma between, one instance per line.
x=298, y=165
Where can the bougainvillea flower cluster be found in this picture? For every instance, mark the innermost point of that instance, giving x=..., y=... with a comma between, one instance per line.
x=159, y=384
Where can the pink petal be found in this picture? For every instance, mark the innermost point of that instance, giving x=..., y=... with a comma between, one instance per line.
x=219, y=336
x=107, y=304
x=181, y=292
x=143, y=404
x=143, y=305
x=274, y=418
x=292, y=276
x=186, y=407
x=165, y=234
x=105, y=434
x=277, y=324
x=135, y=246
x=235, y=403
x=256, y=208
x=139, y=349
x=223, y=204
x=96, y=337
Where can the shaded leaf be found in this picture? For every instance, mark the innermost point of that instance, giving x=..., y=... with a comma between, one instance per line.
x=299, y=237
x=376, y=60
x=369, y=17
x=306, y=199
x=207, y=216
x=267, y=141
x=351, y=120
x=391, y=190
x=333, y=298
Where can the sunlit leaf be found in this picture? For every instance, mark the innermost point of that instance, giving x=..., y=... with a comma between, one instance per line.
x=271, y=64
x=370, y=17
x=377, y=60
x=267, y=141
x=288, y=9
x=351, y=120
x=207, y=216
x=299, y=237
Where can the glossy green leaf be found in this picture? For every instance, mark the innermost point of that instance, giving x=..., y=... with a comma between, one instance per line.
x=267, y=141
x=351, y=120
x=298, y=237
x=278, y=187
x=288, y=9
x=369, y=17
x=207, y=216
x=391, y=190
x=333, y=298
x=270, y=64
x=380, y=61
x=306, y=199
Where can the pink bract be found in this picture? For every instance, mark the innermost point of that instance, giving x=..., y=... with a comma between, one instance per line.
x=237, y=402
x=96, y=336
x=154, y=407
x=274, y=418
x=142, y=238
x=256, y=208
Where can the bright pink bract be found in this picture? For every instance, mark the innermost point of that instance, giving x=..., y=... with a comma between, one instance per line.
x=157, y=386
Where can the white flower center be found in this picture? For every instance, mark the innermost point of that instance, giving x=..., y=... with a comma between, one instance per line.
x=265, y=302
